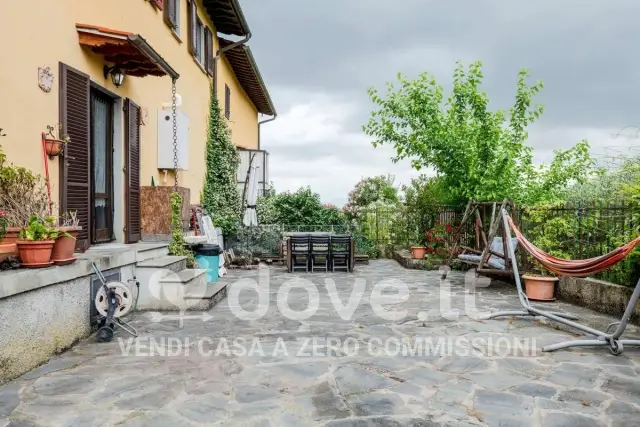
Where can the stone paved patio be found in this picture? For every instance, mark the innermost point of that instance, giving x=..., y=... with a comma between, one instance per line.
x=96, y=385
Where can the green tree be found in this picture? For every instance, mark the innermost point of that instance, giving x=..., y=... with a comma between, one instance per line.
x=478, y=153
x=220, y=197
x=370, y=190
x=302, y=208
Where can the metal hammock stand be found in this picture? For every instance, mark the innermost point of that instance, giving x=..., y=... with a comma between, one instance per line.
x=602, y=338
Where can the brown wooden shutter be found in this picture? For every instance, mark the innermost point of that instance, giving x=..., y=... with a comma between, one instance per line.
x=133, y=231
x=192, y=15
x=75, y=165
x=171, y=13
x=208, y=50
x=158, y=3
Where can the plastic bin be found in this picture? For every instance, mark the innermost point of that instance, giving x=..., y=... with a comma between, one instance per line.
x=208, y=258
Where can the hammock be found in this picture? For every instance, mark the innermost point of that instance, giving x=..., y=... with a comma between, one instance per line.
x=574, y=268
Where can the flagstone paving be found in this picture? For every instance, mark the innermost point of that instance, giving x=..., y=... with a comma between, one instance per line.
x=284, y=380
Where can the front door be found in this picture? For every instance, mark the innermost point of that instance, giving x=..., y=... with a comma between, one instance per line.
x=101, y=167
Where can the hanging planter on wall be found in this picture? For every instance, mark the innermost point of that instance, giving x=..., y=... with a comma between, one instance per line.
x=54, y=145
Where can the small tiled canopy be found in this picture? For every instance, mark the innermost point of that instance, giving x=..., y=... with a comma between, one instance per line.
x=129, y=52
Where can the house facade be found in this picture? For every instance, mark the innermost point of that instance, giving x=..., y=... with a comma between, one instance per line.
x=107, y=72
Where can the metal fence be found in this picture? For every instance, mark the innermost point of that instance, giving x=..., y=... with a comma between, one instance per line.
x=574, y=231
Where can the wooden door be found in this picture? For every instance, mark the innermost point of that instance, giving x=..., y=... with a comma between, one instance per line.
x=133, y=230
x=75, y=162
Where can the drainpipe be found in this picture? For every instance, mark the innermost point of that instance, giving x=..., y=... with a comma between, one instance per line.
x=219, y=55
x=275, y=116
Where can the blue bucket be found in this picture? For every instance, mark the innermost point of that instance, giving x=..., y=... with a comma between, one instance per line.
x=208, y=258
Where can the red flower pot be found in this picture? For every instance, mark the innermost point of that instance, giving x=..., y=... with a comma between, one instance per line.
x=11, y=236
x=540, y=288
x=53, y=147
x=35, y=254
x=417, y=252
x=65, y=246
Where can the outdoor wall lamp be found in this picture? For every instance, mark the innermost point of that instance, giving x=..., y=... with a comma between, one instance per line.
x=117, y=76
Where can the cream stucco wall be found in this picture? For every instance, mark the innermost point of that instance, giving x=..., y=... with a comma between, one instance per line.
x=244, y=115
x=38, y=33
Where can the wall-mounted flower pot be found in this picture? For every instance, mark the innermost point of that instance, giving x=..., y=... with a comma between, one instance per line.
x=62, y=253
x=53, y=147
x=35, y=254
x=540, y=288
x=418, y=252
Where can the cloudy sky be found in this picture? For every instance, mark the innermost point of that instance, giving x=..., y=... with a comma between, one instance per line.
x=319, y=57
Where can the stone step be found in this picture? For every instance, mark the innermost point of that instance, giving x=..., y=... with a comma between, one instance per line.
x=214, y=293
x=188, y=277
x=150, y=272
x=149, y=251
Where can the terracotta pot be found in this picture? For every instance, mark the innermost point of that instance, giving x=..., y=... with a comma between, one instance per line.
x=418, y=252
x=35, y=254
x=11, y=236
x=64, y=247
x=53, y=147
x=7, y=250
x=540, y=288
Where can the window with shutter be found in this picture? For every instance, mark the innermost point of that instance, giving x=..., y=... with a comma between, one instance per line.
x=227, y=102
x=199, y=41
x=75, y=165
x=192, y=14
x=172, y=14
x=159, y=4
x=208, y=50
x=133, y=231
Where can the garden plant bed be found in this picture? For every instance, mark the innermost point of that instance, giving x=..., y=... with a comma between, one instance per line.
x=403, y=256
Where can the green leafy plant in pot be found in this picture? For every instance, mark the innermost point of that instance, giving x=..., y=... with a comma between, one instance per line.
x=35, y=242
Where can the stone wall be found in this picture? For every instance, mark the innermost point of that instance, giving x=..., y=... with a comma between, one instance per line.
x=598, y=295
x=403, y=256
x=43, y=312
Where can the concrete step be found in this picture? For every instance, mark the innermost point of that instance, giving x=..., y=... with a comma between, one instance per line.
x=214, y=293
x=149, y=251
x=150, y=272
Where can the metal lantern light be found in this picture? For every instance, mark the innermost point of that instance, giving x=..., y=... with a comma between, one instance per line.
x=117, y=76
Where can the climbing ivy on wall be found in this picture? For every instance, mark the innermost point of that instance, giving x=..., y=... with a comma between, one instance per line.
x=177, y=246
x=220, y=197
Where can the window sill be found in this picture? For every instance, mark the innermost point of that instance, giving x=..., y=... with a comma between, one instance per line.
x=199, y=65
x=175, y=35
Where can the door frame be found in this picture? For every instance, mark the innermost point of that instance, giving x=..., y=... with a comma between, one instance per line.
x=96, y=90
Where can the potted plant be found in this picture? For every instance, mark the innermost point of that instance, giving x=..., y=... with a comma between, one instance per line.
x=64, y=247
x=35, y=242
x=418, y=251
x=54, y=140
x=6, y=249
x=540, y=285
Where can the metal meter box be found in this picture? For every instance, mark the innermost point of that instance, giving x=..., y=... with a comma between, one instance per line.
x=165, y=140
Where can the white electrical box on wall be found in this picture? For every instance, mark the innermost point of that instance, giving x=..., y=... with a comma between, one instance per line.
x=165, y=140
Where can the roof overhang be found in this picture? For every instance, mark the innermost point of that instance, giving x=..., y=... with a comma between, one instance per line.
x=129, y=52
x=246, y=70
x=227, y=17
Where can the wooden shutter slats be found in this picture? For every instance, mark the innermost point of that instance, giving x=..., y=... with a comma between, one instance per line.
x=170, y=13
x=208, y=50
x=75, y=164
x=132, y=153
x=191, y=18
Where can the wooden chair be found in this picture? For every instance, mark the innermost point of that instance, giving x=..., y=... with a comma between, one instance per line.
x=319, y=253
x=340, y=250
x=300, y=248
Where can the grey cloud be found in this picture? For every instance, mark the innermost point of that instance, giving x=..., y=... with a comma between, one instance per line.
x=583, y=50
